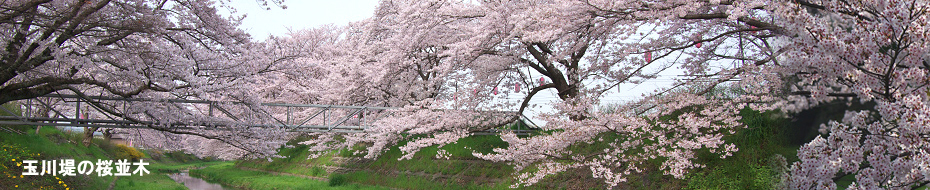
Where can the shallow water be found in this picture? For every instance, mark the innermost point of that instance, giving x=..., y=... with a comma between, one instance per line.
x=194, y=183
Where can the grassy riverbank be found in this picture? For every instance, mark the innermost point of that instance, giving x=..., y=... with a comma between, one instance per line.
x=52, y=144
x=228, y=174
x=750, y=168
x=755, y=166
x=18, y=143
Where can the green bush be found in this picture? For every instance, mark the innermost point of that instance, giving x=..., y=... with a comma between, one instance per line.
x=338, y=180
x=317, y=171
x=125, y=152
x=180, y=156
x=105, y=146
x=759, y=163
x=156, y=155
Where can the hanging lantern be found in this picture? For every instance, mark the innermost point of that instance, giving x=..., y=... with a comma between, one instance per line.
x=516, y=87
x=495, y=90
x=542, y=80
x=649, y=56
x=698, y=40
x=476, y=91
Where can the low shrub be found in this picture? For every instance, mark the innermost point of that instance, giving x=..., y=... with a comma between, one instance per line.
x=125, y=152
x=338, y=180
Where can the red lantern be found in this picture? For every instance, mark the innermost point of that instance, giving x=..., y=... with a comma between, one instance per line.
x=495, y=90
x=516, y=87
x=648, y=56
x=698, y=45
x=542, y=80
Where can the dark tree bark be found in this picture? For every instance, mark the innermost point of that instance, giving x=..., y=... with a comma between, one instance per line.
x=89, y=135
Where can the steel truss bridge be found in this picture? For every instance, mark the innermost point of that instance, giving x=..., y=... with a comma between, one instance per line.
x=114, y=112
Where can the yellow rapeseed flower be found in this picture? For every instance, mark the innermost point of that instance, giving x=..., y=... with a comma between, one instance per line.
x=66, y=185
x=59, y=182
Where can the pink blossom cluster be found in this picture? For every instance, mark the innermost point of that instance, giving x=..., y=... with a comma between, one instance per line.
x=868, y=51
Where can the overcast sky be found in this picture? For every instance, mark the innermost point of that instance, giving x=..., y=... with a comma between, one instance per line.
x=300, y=14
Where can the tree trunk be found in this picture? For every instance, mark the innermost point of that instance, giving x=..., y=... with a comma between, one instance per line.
x=41, y=112
x=89, y=135
x=107, y=134
x=566, y=92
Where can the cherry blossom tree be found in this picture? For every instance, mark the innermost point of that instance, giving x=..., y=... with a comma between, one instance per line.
x=456, y=52
x=443, y=63
x=586, y=48
x=787, y=54
x=867, y=51
x=379, y=62
x=121, y=47
x=134, y=49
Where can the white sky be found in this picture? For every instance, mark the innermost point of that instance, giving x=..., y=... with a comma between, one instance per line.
x=300, y=14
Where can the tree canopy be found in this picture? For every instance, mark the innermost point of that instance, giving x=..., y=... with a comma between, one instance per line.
x=439, y=59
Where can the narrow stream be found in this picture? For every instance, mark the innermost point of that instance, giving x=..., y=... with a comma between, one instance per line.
x=194, y=183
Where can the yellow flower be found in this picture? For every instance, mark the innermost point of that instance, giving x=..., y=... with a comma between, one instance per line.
x=20, y=176
x=59, y=182
x=14, y=159
x=66, y=185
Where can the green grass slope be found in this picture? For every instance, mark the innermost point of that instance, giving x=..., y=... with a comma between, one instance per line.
x=755, y=166
x=52, y=144
x=18, y=143
x=229, y=175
